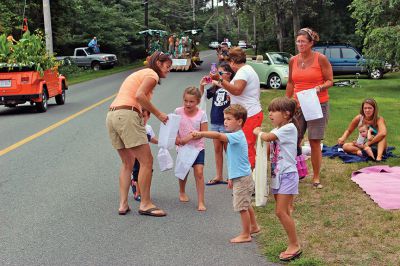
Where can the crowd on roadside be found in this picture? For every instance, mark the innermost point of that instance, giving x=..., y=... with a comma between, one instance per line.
x=235, y=124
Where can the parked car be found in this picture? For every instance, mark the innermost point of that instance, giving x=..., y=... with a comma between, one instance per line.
x=345, y=59
x=84, y=57
x=25, y=84
x=213, y=45
x=272, y=69
x=242, y=44
x=229, y=44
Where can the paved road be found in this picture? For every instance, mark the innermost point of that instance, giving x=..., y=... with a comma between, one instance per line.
x=59, y=192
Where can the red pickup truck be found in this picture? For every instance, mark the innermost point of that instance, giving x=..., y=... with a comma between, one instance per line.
x=18, y=86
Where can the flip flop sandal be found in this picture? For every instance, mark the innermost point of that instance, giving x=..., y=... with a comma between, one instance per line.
x=213, y=182
x=317, y=185
x=291, y=256
x=150, y=212
x=124, y=212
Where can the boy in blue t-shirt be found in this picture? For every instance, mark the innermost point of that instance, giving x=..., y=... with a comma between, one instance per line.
x=239, y=170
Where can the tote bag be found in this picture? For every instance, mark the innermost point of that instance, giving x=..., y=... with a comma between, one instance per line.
x=168, y=132
x=165, y=161
x=203, y=103
x=260, y=173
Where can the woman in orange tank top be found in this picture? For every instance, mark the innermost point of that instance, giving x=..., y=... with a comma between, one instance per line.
x=309, y=70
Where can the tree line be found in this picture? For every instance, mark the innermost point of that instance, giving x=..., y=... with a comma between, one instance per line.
x=372, y=26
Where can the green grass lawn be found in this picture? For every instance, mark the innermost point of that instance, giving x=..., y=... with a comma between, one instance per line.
x=89, y=75
x=340, y=224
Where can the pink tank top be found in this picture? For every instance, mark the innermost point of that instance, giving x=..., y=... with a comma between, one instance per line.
x=191, y=123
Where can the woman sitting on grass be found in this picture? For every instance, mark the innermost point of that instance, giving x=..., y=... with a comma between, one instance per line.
x=368, y=116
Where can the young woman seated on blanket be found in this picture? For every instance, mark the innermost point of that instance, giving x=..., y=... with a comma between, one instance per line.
x=368, y=116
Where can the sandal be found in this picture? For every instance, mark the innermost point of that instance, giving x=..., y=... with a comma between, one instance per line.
x=290, y=256
x=317, y=185
x=213, y=182
x=124, y=212
x=150, y=212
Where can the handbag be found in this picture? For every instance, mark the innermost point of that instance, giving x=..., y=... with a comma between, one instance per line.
x=301, y=166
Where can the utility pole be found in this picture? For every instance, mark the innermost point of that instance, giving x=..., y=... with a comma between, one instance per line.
x=254, y=31
x=146, y=23
x=47, y=26
x=238, y=33
x=194, y=18
x=217, y=20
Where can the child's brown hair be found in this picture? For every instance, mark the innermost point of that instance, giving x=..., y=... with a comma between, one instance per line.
x=193, y=91
x=237, y=111
x=284, y=104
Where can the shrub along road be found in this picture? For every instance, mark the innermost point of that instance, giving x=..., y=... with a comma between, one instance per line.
x=59, y=191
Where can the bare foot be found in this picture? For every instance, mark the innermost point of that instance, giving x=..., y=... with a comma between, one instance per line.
x=255, y=229
x=241, y=239
x=201, y=207
x=183, y=197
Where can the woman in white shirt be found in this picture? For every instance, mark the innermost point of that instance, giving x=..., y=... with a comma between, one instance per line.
x=244, y=89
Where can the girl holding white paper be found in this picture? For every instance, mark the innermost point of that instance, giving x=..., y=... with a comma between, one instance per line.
x=285, y=179
x=192, y=119
x=311, y=70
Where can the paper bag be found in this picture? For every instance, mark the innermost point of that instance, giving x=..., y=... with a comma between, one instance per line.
x=309, y=104
x=187, y=154
x=168, y=132
x=164, y=160
x=260, y=173
x=203, y=103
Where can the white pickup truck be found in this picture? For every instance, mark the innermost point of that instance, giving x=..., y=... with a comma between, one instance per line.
x=84, y=57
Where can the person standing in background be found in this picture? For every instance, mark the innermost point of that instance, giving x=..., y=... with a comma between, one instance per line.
x=309, y=70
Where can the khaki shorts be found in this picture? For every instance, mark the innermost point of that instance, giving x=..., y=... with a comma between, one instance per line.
x=126, y=129
x=315, y=128
x=243, y=188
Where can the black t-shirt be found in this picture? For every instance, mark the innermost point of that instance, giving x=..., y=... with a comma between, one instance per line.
x=220, y=100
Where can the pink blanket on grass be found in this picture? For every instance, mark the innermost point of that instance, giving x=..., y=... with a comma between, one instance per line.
x=381, y=183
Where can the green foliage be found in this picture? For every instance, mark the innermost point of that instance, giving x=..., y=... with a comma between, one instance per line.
x=30, y=51
x=72, y=70
x=377, y=23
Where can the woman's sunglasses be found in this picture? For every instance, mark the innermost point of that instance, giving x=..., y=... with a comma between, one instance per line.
x=222, y=72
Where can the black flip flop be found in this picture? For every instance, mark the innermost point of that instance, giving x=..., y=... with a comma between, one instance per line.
x=150, y=212
x=213, y=182
x=124, y=212
x=292, y=256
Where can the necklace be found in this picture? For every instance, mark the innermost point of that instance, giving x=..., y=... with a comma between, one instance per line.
x=303, y=61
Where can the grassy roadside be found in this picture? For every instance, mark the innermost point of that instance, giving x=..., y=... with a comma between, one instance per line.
x=340, y=224
x=89, y=75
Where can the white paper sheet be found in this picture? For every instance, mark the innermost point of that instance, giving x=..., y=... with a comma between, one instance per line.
x=187, y=154
x=168, y=132
x=309, y=104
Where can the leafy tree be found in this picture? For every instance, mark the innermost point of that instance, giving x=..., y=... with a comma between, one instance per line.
x=378, y=24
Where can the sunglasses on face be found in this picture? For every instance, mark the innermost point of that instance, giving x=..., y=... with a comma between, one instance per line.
x=222, y=72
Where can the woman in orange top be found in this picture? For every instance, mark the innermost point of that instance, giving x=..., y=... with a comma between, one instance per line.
x=127, y=130
x=309, y=70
